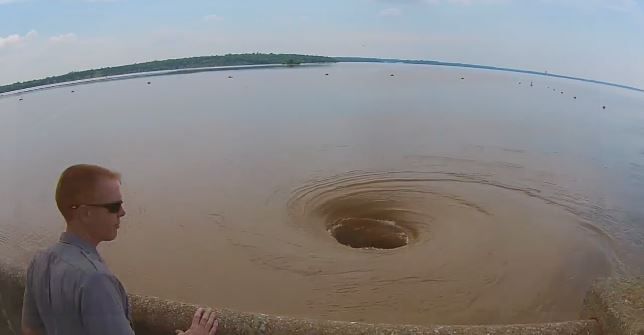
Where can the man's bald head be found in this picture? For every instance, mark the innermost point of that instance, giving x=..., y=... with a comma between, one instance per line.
x=77, y=185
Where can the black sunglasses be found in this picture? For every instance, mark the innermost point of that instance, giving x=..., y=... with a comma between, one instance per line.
x=113, y=207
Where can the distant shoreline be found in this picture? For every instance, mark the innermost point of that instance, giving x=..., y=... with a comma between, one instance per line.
x=168, y=66
x=186, y=65
x=476, y=66
x=152, y=74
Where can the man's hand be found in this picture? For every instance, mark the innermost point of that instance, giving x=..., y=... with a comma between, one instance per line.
x=203, y=323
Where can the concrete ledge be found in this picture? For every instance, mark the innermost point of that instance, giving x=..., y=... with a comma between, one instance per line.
x=11, y=292
x=158, y=316
x=618, y=305
x=154, y=316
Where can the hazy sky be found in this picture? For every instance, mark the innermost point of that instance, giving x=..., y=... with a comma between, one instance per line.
x=598, y=39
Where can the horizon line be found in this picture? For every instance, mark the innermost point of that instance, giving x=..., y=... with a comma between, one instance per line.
x=490, y=67
x=339, y=59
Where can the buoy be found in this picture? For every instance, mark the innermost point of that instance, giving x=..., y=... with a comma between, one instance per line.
x=326, y=74
x=561, y=92
x=230, y=76
x=391, y=75
x=73, y=91
x=603, y=107
x=574, y=97
x=462, y=78
x=149, y=83
x=20, y=99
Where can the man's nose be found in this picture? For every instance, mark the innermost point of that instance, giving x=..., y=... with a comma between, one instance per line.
x=122, y=212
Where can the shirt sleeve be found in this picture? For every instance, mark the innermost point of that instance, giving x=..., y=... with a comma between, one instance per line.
x=101, y=307
x=30, y=315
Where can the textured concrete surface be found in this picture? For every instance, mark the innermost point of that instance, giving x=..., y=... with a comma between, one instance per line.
x=615, y=304
x=157, y=316
x=11, y=291
x=618, y=305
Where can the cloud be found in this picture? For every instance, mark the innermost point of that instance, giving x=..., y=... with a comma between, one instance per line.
x=212, y=18
x=6, y=2
x=477, y=2
x=400, y=2
x=63, y=38
x=390, y=12
x=619, y=5
x=16, y=39
x=452, y=2
x=616, y=5
x=10, y=40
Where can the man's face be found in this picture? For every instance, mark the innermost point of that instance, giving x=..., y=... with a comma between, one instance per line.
x=100, y=224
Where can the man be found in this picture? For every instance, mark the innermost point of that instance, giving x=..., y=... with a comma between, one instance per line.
x=69, y=289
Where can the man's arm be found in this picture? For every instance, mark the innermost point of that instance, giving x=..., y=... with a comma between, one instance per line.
x=101, y=307
x=31, y=323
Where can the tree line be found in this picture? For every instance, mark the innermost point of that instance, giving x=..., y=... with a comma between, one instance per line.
x=173, y=64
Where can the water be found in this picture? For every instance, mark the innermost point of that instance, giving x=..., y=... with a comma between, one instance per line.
x=491, y=201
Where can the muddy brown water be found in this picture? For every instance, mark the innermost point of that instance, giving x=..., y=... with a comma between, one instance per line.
x=487, y=201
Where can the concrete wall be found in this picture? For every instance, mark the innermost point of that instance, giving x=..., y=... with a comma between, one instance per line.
x=154, y=316
x=11, y=289
x=617, y=304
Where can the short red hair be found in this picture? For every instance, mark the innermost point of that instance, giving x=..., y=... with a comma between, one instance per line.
x=77, y=183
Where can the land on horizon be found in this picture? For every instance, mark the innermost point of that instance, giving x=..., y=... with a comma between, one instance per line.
x=202, y=63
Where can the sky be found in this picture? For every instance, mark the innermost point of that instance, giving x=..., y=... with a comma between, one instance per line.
x=595, y=39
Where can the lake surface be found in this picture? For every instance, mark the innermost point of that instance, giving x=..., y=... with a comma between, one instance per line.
x=490, y=200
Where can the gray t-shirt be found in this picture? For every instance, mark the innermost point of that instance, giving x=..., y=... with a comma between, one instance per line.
x=70, y=291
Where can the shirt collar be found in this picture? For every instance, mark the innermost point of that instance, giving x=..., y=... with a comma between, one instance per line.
x=75, y=240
